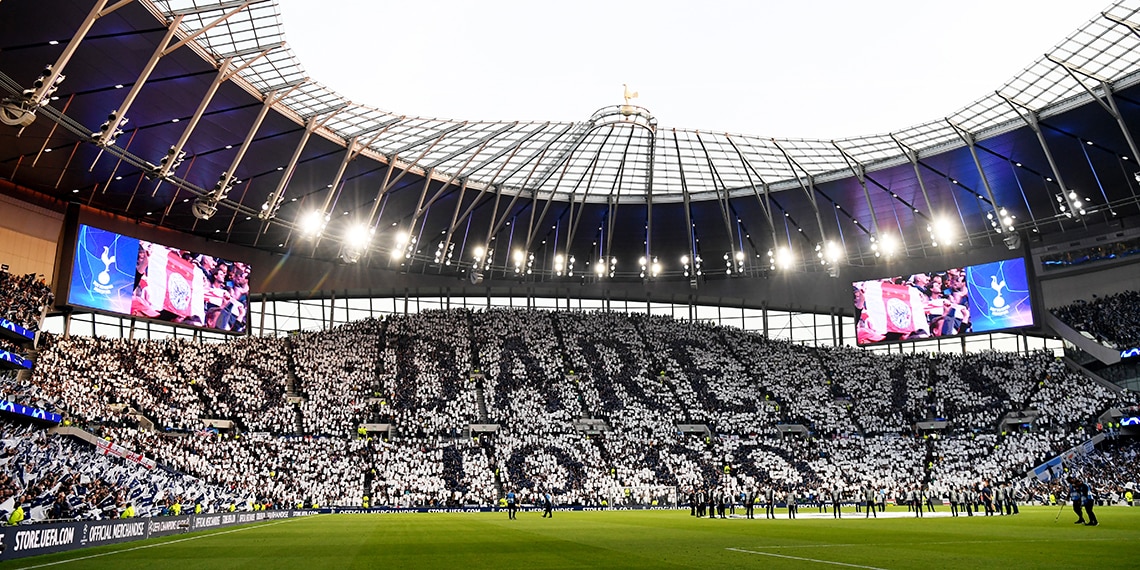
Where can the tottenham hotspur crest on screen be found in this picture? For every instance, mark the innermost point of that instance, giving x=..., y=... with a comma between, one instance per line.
x=102, y=283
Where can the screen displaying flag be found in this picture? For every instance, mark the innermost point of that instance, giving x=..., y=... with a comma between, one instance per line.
x=179, y=275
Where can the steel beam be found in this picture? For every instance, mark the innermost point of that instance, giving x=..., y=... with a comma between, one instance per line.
x=722, y=202
x=1033, y=122
x=860, y=173
x=809, y=189
x=231, y=173
x=104, y=139
x=39, y=95
x=765, y=203
x=167, y=167
x=269, y=209
x=970, y=141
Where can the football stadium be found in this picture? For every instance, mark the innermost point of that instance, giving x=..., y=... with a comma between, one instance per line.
x=248, y=322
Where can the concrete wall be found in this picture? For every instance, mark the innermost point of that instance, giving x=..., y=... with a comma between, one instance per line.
x=28, y=235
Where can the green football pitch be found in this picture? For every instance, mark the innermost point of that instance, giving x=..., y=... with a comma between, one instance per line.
x=636, y=539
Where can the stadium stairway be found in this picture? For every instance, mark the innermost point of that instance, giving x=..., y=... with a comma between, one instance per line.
x=666, y=383
x=291, y=381
x=498, y=484
x=476, y=373
x=292, y=393
x=480, y=397
x=604, y=452
x=837, y=393
x=469, y=318
x=568, y=368
x=928, y=463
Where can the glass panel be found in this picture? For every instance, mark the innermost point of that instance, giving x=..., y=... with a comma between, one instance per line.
x=592, y=304
x=53, y=325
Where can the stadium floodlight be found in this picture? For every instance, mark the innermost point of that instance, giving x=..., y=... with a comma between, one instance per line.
x=782, y=258
x=600, y=268
x=356, y=240
x=1001, y=220
x=655, y=268
x=833, y=252
x=313, y=223
x=1072, y=205
x=829, y=252
x=884, y=244
x=110, y=130
x=358, y=236
x=942, y=231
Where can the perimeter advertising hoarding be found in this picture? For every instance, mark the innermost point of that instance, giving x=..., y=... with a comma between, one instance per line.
x=131, y=277
x=961, y=300
x=45, y=538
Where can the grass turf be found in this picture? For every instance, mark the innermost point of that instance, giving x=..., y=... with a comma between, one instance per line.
x=634, y=539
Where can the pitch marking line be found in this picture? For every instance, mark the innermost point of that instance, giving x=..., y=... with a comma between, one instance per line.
x=156, y=544
x=943, y=542
x=816, y=560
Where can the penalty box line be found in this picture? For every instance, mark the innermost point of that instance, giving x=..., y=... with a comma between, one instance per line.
x=847, y=565
x=803, y=559
x=102, y=554
x=938, y=542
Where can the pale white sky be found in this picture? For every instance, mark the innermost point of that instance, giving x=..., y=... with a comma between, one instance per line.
x=808, y=69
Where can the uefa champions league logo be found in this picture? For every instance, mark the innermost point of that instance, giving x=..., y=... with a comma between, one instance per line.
x=998, y=307
x=102, y=284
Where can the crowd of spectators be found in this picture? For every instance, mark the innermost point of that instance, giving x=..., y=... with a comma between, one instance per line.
x=1112, y=470
x=337, y=373
x=538, y=373
x=961, y=461
x=567, y=465
x=1111, y=319
x=102, y=379
x=277, y=470
x=523, y=372
x=428, y=363
x=24, y=298
x=54, y=477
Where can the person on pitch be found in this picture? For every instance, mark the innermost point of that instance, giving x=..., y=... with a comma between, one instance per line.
x=770, y=505
x=869, y=497
x=512, y=504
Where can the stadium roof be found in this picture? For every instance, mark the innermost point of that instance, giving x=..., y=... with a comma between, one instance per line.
x=617, y=184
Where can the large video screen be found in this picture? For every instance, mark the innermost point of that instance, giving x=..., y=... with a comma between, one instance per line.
x=956, y=301
x=129, y=276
